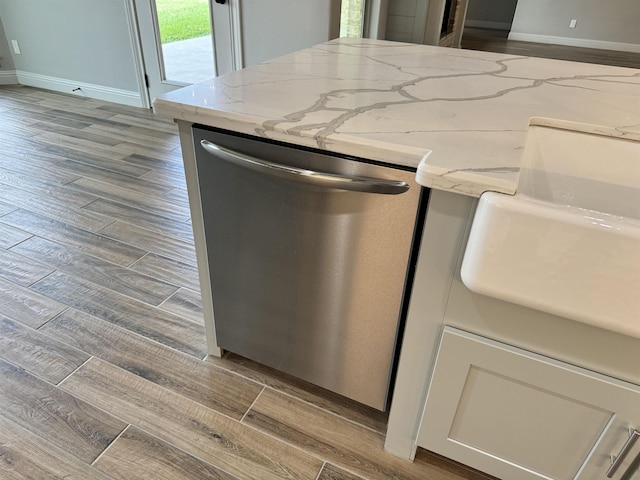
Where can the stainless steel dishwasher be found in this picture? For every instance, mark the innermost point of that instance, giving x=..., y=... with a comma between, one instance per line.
x=309, y=258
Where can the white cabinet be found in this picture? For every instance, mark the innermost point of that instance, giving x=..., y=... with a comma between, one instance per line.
x=519, y=415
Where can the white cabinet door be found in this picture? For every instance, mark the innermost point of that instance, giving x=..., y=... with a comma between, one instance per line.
x=519, y=415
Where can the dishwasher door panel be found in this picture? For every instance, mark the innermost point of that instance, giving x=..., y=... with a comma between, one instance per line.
x=306, y=279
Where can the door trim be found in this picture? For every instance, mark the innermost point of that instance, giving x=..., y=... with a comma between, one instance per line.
x=136, y=50
x=236, y=35
x=375, y=19
x=228, y=58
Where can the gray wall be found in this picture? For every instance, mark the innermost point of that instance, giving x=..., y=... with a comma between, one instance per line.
x=496, y=14
x=271, y=28
x=85, y=41
x=600, y=20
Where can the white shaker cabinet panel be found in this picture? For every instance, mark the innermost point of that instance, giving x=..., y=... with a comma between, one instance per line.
x=519, y=415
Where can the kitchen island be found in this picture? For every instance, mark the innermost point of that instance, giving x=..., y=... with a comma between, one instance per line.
x=460, y=119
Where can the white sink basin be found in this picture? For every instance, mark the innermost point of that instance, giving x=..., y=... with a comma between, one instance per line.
x=568, y=242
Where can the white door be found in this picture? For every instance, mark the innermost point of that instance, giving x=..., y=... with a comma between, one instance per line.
x=240, y=33
x=179, y=45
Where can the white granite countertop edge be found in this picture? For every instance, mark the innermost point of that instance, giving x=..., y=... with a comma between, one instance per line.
x=458, y=117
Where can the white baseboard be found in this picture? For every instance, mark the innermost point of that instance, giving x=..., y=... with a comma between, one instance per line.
x=99, y=92
x=8, y=77
x=575, y=42
x=484, y=24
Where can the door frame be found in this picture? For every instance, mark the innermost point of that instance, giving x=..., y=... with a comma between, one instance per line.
x=136, y=50
x=375, y=19
x=227, y=58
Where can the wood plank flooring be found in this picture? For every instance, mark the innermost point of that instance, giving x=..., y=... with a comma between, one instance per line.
x=103, y=366
x=490, y=40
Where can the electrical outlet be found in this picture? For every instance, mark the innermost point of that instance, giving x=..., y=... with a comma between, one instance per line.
x=16, y=47
x=572, y=23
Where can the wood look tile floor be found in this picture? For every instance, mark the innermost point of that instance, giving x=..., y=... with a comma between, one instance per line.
x=496, y=41
x=103, y=366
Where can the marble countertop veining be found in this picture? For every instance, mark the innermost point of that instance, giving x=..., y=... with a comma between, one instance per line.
x=467, y=111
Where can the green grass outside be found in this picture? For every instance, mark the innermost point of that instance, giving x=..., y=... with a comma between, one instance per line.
x=182, y=19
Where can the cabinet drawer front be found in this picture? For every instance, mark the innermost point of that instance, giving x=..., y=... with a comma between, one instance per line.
x=518, y=415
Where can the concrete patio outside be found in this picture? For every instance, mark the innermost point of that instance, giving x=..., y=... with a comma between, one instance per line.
x=189, y=61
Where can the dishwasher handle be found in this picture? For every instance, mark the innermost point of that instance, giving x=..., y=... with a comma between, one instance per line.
x=328, y=180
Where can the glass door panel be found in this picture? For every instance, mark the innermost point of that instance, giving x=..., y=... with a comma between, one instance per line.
x=185, y=40
x=352, y=18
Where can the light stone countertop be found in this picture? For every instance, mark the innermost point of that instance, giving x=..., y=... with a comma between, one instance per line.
x=465, y=112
